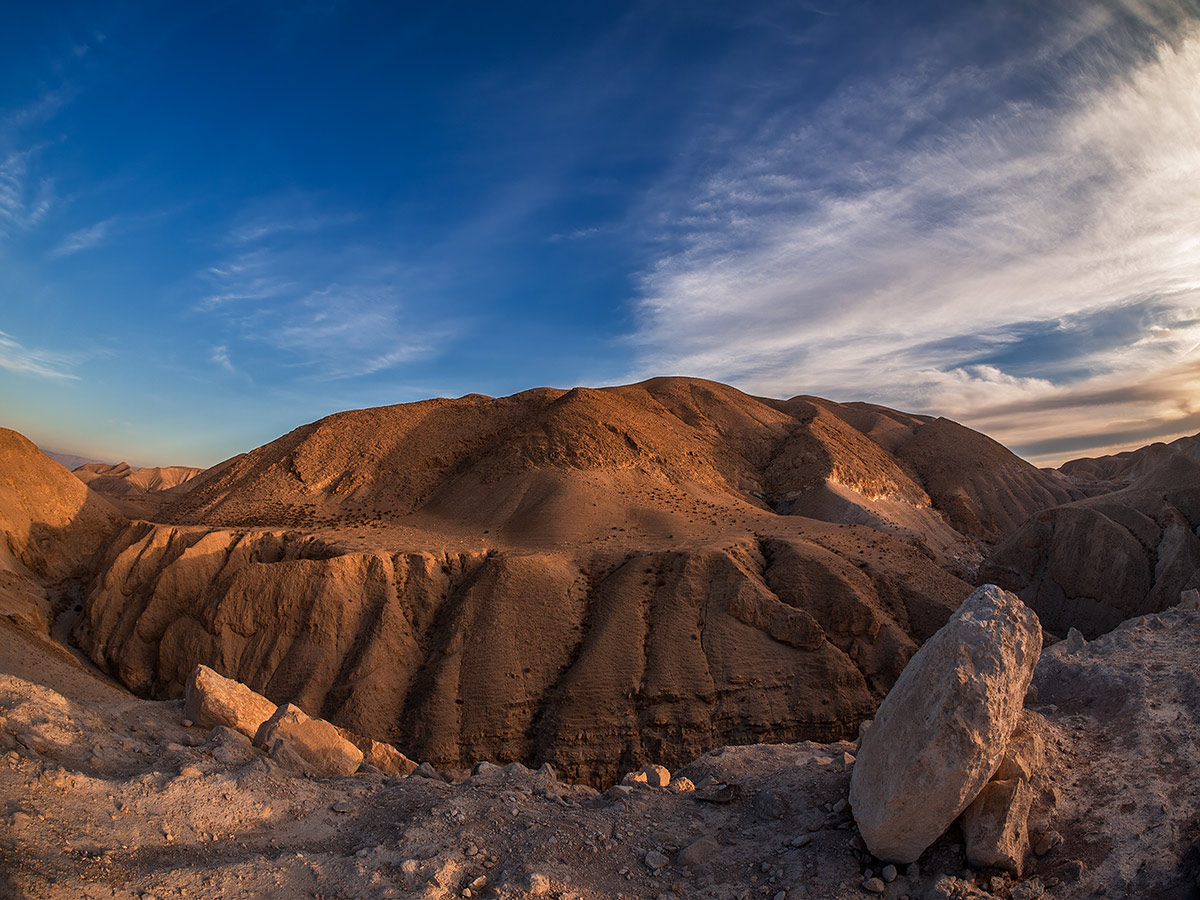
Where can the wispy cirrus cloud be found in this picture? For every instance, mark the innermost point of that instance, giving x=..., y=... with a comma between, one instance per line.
x=925, y=235
x=25, y=198
x=311, y=302
x=16, y=357
x=84, y=238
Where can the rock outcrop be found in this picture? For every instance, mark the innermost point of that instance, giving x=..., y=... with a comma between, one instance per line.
x=211, y=699
x=300, y=742
x=941, y=733
x=592, y=661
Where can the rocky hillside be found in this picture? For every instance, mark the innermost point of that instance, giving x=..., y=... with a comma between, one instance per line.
x=591, y=661
x=1127, y=550
x=591, y=578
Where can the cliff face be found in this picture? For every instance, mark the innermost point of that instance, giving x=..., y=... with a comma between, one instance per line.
x=594, y=662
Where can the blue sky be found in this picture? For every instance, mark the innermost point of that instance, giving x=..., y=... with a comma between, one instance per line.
x=220, y=222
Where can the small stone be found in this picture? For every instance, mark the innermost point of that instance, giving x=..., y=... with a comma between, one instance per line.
x=656, y=776
x=655, y=860
x=425, y=770
x=698, y=852
x=840, y=806
x=1047, y=842
x=681, y=784
x=538, y=883
x=479, y=883
x=803, y=841
x=343, y=806
x=874, y=885
x=781, y=895
x=1028, y=890
x=190, y=772
x=889, y=873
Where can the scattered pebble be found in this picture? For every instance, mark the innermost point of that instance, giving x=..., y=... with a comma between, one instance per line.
x=874, y=885
x=1047, y=842
x=655, y=860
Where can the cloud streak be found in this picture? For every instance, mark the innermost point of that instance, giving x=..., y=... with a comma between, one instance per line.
x=318, y=307
x=15, y=357
x=84, y=239
x=879, y=249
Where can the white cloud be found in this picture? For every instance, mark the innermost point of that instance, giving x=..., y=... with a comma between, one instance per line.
x=32, y=361
x=323, y=309
x=24, y=198
x=220, y=355
x=84, y=238
x=834, y=247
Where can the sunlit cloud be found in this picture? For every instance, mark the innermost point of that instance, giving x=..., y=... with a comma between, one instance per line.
x=887, y=247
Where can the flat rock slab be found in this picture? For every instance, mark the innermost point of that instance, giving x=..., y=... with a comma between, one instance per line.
x=941, y=732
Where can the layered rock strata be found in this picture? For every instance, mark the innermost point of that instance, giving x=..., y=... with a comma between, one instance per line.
x=593, y=662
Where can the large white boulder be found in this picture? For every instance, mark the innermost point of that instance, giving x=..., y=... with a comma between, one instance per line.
x=941, y=733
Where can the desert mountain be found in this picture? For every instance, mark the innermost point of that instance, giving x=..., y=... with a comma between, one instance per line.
x=1128, y=549
x=123, y=479
x=667, y=460
x=592, y=578
x=138, y=493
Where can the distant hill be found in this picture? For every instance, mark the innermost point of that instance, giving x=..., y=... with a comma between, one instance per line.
x=1128, y=549
x=670, y=456
x=70, y=461
x=122, y=479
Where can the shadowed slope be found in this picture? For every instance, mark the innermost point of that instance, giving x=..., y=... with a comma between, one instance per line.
x=1124, y=552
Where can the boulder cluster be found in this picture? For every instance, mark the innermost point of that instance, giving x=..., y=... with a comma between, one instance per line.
x=952, y=740
x=286, y=733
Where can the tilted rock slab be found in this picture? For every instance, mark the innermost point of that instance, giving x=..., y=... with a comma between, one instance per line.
x=211, y=699
x=941, y=732
x=297, y=741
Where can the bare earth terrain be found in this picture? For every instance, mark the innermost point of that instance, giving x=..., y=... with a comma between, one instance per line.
x=571, y=585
